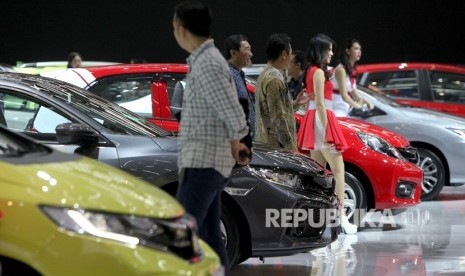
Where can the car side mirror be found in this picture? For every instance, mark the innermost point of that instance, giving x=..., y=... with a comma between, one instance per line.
x=364, y=113
x=76, y=133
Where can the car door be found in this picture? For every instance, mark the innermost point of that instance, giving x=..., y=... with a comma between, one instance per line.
x=405, y=86
x=170, y=92
x=148, y=95
x=38, y=119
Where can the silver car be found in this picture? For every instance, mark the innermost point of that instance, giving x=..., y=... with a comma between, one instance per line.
x=439, y=137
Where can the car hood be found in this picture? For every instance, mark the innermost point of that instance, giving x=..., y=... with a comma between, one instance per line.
x=396, y=140
x=431, y=117
x=87, y=184
x=267, y=156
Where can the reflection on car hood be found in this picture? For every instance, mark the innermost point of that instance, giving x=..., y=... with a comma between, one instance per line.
x=266, y=156
x=88, y=184
x=427, y=116
x=392, y=138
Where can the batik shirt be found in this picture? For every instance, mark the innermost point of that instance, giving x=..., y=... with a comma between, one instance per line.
x=274, y=114
x=212, y=115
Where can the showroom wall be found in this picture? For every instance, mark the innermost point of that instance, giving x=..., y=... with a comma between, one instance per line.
x=395, y=30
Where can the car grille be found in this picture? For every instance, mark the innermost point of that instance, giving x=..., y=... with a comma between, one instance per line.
x=411, y=154
x=315, y=226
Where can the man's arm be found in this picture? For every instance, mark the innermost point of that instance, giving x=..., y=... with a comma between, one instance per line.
x=278, y=102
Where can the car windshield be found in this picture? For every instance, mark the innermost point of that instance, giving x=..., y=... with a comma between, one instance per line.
x=111, y=116
x=380, y=96
x=10, y=145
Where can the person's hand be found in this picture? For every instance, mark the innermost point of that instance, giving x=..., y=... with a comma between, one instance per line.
x=370, y=105
x=240, y=152
x=310, y=96
x=302, y=98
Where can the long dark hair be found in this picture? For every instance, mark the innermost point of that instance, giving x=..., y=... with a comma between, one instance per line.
x=344, y=58
x=71, y=56
x=317, y=50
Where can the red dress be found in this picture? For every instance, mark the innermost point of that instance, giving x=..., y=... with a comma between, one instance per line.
x=311, y=132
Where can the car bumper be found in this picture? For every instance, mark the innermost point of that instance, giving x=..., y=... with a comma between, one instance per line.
x=32, y=239
x=70, y=254
x=385, y=177
x=269, y=240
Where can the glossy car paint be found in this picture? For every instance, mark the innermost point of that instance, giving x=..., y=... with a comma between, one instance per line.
x=149, y=153
x=383, y=172
x=424, y=128
x=422, y=70
x=380, y=173
x=51, y=178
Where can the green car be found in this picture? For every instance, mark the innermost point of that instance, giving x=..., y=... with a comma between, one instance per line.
x=63, y=214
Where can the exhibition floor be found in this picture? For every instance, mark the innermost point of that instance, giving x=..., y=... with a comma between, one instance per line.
x=426, y=240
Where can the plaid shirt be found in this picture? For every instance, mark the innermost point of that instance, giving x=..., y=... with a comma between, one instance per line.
x=211, y=115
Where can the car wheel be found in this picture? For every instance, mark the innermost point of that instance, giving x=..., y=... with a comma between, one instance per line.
x=433, y=174
x=231, y=236
x=354, y=196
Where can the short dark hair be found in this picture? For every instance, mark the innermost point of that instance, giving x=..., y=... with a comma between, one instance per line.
x=300, y=57
x=194, y=16
x=276, y=44
x=233, y=42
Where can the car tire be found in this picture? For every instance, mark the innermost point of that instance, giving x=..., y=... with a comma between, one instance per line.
x=231, y=236
x=355, y=197
x=434, y=174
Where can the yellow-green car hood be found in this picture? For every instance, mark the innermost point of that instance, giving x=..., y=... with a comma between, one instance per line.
x=80, y=182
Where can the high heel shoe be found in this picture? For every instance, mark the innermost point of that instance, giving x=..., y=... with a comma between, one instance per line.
x=347, y=227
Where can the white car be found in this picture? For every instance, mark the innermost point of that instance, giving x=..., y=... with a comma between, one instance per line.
x=439, y=138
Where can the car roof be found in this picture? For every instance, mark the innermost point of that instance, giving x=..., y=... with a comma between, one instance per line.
x=103, y=71
x=41, y=64
x=374, y=67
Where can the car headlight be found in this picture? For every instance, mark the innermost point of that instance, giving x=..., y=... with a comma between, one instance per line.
x=460, y=132
x=178, y=236
x=379, y=145
x=277, y=177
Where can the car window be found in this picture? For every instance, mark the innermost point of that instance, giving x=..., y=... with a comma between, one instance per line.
x=448, y=87
x=24, y=114
x=399, y=84
x=130, y=91
x=17, y=111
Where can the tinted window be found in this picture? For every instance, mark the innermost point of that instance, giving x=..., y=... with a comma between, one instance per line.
x=448, y=87
x=13, y=145
x=9, y=146
x=401, y=84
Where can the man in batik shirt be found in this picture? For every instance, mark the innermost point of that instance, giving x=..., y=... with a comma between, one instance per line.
x=274, y=112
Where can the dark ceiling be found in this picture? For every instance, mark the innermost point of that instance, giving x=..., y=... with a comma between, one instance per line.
x=394, y=30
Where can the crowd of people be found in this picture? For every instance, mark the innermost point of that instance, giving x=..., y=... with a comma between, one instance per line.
x=219, y=113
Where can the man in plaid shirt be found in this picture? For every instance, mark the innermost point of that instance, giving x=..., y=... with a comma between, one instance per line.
x=212, y=124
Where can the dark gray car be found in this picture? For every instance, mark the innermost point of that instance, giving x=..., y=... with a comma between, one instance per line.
x=74, y=120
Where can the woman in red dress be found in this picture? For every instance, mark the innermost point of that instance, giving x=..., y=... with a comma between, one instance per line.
x=319, y=131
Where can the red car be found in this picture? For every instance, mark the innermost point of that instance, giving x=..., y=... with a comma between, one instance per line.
x=428, y=85
x=380, y=175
